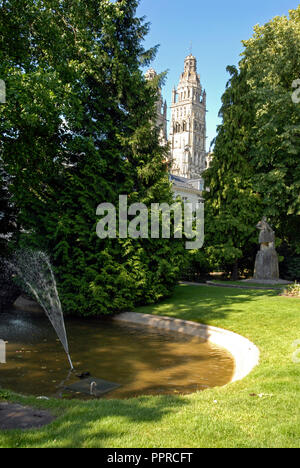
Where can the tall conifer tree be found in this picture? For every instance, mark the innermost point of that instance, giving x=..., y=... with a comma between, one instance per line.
x=77, y=132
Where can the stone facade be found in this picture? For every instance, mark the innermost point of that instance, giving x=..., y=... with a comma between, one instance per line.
x=161, y=110
x=187, y=136
x=190, y=190
x=188, y=124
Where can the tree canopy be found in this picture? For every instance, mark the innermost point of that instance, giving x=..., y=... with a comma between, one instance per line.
x=256, y=165
x=76, y=131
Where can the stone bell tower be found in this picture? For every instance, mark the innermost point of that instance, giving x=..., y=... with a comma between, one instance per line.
x=161, y=110
x=188, y=124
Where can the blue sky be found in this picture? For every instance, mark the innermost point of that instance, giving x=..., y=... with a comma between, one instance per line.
x=215, y=30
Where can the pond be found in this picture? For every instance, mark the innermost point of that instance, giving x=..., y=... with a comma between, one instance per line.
x=143, y=360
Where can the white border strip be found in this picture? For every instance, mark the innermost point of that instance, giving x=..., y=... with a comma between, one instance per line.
x=244, y=352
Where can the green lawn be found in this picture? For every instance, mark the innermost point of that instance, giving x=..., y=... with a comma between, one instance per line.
x=222, y=417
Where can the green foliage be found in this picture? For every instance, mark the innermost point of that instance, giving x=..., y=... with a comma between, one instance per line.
x=76, y=131
x=232, y=206
x=293, y=290
x=256, y=168
x=4, y=395
x=197, y=267
x=291, y=268
x=271, y=63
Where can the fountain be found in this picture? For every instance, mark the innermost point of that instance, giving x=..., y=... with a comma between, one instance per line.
x=33, y=269
x=154, y=361
x=131, y=359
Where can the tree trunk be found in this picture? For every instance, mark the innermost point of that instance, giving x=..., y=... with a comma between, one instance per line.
x=235, y=271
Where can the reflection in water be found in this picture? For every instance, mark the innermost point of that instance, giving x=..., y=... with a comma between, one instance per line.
x=143, y=360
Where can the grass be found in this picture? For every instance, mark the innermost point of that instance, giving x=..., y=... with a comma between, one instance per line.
x=262, y=410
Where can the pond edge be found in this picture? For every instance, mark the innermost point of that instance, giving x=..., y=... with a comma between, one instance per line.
x=244, y=352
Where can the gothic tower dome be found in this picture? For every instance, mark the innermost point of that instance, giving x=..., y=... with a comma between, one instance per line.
x=150, y=74
x=190, y=67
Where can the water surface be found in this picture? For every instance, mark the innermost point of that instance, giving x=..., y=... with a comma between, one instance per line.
x=144, y=360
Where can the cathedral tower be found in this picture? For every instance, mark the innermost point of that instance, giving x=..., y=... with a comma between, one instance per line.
x=188, y=128
x=161, y=110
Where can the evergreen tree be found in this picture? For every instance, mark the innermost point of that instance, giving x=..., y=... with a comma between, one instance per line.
x=256, y=167
x=77, y=132
x=232, y=206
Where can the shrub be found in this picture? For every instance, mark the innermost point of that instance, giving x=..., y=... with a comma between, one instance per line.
x=196, y=268
x=290, y=268
x=293, y=290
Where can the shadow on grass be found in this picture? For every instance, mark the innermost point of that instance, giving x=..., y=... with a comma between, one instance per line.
x=205, y=304
x=85, y=423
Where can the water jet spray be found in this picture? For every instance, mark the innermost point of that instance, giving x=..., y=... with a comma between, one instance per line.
x=34, y=270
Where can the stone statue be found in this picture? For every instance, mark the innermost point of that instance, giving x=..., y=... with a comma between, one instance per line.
x=266, y=263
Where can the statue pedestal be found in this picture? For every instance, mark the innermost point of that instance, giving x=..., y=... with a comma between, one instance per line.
x=266, y=265
x=265, y=282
